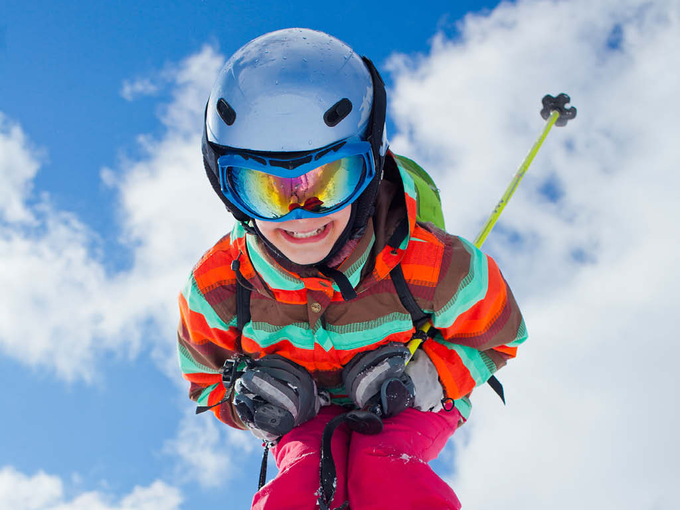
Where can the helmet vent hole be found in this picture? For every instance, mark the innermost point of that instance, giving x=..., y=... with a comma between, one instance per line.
x=337, y=112
x=226, y=112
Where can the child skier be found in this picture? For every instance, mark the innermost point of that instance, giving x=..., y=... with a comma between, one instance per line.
x=304, y=310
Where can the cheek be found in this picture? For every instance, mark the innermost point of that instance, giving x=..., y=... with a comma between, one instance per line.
x=266, y=229
x=342, y=218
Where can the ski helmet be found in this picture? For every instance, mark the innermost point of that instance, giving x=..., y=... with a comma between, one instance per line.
x=284, y=104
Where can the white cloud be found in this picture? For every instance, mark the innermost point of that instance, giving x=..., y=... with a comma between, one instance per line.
x=206, y=450
x=19, y=163
x=46, y=261
x=591, y=413
x=19, y=491
x=65, y=311
x=41, y=491
x=133, y=89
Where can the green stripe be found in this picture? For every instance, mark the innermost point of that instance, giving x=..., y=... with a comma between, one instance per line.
x=271, y=274
x=189, y=365
x=266, y=335
x=322, y=338
x=346, y=337
x=490, y=365
x=472, y=359
x=343, y=402
x=471, y=290
x=198, y=304
x=337, y=390
x=409, y=184
x=237, y=232
x=353, y=273
x=522, y=335
x=464, y=407
x=355, y=335
x=480, y=366
x=205, y=394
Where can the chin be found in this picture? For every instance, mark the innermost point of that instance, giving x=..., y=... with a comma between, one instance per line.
x=304, y=260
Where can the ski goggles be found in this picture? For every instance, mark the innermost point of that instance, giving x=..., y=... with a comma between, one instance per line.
x=269, y=188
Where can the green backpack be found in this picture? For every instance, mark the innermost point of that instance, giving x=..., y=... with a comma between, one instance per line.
x=428, y=199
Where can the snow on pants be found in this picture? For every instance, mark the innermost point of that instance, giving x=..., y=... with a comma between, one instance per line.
x=386, y=471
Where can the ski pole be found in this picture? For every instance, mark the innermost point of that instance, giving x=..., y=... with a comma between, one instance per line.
x=555, y=113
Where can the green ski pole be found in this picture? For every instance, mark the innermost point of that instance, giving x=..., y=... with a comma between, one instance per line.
x=556, y=114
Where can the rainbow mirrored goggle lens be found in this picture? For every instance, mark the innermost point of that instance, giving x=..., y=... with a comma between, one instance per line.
x=265, y=190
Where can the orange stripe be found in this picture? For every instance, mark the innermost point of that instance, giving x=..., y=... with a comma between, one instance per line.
x=203, y=379
x=200, y=332
x=412, y=212
x=381, y=269
x=481, y=316
x=421, y=273
x=290, y=297
x=209, y=276
x=216, y=394
x=453, y=374
x=510, y=351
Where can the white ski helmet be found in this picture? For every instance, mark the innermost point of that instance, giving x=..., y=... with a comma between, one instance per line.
x=285, y=99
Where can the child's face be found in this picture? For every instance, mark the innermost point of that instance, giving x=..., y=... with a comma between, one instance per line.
x=306, y=241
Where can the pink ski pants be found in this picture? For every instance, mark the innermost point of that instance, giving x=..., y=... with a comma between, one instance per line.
x=386, y=471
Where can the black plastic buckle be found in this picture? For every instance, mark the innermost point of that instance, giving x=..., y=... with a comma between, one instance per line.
x=230, y=372
x=419, y=335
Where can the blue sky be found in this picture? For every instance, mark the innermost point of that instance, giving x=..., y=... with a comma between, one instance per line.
x=102, y=215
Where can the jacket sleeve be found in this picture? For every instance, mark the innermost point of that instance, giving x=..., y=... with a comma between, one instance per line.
x=479, y=323
x=205, y=341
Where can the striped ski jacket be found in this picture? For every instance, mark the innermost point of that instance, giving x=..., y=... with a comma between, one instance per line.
x=303, y=316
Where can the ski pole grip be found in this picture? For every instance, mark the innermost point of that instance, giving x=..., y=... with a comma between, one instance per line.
x=558, y=104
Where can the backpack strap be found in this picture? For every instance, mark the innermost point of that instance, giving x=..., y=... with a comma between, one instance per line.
x=419, y=317
x=406, y=297
x=242, y=305
x=243, y=291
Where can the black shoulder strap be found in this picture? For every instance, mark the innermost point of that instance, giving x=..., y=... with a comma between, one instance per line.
x=242, y=296
x=343, y=283
x=242, y=305
x=406, y=297
x=419, y=317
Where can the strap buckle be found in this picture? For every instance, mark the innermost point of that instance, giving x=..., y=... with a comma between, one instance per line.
x=231, y=370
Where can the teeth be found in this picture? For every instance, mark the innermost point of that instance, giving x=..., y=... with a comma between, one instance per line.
x=304, y=235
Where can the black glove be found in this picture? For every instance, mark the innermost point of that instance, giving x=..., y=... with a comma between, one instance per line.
x=377, y=380
x=273, y=395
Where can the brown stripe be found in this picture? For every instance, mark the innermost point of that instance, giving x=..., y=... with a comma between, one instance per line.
x=502, y=329
x=275, y=313
x=377, y=302
x=498, y=359
x=455, y=267
x=208, y=354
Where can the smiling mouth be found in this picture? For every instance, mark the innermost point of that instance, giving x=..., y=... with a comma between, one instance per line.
x=306, y=235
